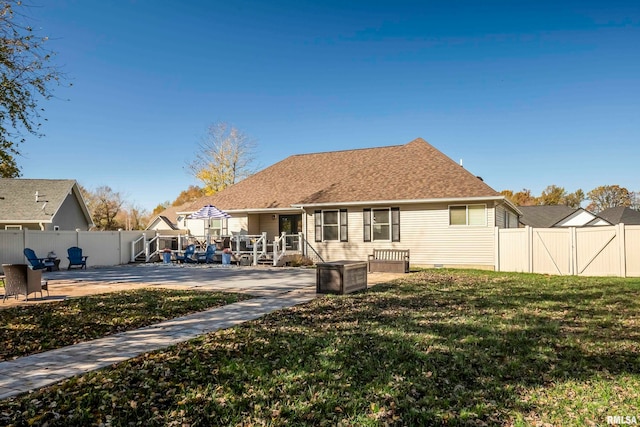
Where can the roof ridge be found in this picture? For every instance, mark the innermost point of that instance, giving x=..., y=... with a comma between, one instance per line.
x=345, y=150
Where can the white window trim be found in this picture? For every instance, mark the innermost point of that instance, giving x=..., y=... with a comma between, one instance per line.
x=13, y=227
x=373, y=239
x=337, y=225
x=467, y=215
x=217, y=231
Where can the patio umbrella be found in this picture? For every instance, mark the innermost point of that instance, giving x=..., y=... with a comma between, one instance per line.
x=207, y=212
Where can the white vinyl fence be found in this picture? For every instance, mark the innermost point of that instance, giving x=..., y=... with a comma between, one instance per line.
x=103, y=248
x=587, y=251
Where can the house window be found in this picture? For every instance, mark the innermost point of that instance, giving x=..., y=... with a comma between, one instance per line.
x=468, y=215
x=215, y=227
x=13, y=227
x=331, y=225
x=381, y=225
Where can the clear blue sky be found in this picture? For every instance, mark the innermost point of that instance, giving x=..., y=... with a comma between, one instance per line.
x=527, y=93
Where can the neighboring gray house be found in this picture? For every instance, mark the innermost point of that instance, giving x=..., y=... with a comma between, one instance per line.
x=550, y=216
x=42, y=204
x=621, y=215
x=348, y=203
x=171, y=218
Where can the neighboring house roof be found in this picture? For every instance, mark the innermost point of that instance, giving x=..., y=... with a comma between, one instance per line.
x=547, y=216
x=169, y=216
x=413, y=171
x=544, y=216
x=164, y=220
x=621, y=215
x=19, y=203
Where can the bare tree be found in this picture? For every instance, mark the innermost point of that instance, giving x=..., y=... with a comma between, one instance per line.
x=635, y=200
x=132, y=217
x=225, y=156
x=104, y=205
x=25, y=79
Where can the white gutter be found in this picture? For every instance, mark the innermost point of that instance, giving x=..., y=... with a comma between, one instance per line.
x=294, y=209
x=25, y=221
x=402, y=202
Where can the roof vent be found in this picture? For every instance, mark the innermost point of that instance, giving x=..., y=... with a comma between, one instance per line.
x=36, y=196
x=480, y=178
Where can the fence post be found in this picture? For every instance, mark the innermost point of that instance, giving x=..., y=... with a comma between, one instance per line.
x=25, y=240
x=496, y=248
x=622, y=249
x=529, y=249
x=573, y=251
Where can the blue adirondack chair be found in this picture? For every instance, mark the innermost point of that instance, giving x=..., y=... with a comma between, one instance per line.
x=207, y=257
x=36, y=263
x=76, y=258
x=188, y=254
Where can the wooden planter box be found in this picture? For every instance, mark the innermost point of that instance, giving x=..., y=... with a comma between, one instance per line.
x=341, y=277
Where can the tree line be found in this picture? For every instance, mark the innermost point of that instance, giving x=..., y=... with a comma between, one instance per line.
x=224, y=157
x=600, y=198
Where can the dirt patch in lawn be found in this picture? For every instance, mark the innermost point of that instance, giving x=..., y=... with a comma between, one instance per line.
x=63, y=289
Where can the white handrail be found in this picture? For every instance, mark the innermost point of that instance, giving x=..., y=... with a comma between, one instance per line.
x=147, y=248
x=276, y=248
x=135, y=243
x=261, y=241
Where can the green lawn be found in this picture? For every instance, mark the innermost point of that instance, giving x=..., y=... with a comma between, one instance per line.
x=438, y=347
x=41, y=327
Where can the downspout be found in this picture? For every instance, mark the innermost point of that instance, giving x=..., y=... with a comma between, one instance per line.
x=41, y=226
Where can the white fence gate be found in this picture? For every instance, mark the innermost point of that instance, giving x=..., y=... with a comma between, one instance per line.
x=586, y=251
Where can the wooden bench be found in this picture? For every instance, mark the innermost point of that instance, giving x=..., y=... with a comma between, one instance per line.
x=389, y=261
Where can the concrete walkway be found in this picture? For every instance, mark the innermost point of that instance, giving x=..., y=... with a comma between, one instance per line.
x=39, y=370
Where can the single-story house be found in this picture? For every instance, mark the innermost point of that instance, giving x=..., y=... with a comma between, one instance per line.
x=550, y=216
x=171, y=218
x=348, y=203
x=621, y=215
x=42, y=204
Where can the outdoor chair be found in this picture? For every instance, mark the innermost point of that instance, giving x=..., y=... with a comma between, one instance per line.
x=36, y=262
x=76, y=258
x=188, y=255
x=207, y=257
x=20, y=279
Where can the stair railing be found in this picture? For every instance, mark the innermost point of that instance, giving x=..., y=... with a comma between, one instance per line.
x=311, y=252
x=260, y=247
x=151, y=248
x=138, y=247
x=279, y=248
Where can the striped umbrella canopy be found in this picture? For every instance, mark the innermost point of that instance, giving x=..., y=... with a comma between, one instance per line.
x=209, y=211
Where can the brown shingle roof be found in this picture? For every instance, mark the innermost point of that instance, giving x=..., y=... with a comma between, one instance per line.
x=414, y=171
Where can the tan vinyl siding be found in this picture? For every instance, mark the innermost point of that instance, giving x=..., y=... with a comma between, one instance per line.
x=269, y=224
x=238, y=224
x=501, y=215
x=425, y=231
